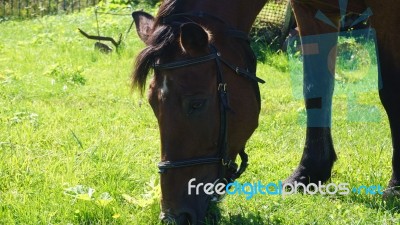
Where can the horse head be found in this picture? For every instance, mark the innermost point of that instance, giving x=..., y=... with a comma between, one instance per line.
x=205, y=96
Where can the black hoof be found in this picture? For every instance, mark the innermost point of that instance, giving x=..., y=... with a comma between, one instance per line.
x=317, y=160
x=391, y=193
x=306, y=176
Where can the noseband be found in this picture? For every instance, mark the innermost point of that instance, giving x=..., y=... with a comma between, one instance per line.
x=222, y=155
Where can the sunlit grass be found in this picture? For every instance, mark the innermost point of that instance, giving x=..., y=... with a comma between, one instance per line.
x=78, y=147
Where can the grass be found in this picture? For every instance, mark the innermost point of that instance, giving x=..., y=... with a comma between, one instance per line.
x=78, y=147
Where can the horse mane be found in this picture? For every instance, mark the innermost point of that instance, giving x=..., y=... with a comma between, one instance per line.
x=161, y=41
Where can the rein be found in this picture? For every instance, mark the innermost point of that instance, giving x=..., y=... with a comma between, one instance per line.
x=222, y=155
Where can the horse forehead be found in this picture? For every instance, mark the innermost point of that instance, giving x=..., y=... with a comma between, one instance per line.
x=194, y=77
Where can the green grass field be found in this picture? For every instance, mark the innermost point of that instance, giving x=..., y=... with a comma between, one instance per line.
x=77, y=146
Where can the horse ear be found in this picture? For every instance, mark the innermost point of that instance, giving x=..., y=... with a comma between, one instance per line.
x=144, y=24
x=194, y=39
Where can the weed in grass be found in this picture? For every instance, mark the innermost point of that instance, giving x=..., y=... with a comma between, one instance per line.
x=66, y=75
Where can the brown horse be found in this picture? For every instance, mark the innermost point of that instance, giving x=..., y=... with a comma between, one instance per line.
x=205, y=96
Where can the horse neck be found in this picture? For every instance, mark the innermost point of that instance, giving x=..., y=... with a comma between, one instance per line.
x=237, y=13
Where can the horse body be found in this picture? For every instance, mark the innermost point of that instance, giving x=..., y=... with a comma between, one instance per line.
x=185, y=91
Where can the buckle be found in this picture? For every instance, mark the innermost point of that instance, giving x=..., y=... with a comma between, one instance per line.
x=222, y=87
x=226, y=163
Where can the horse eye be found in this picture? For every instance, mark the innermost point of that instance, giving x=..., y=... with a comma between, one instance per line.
x=195, y=106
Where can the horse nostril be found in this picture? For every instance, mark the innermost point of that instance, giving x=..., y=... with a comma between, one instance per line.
x=167, y=219
x=182, y=219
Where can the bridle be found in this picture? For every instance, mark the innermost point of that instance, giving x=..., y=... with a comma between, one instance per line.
x=222, y=155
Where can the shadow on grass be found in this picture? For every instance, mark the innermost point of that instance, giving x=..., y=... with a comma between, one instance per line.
x=240, y=218
x=374, y=202
x=378, y=203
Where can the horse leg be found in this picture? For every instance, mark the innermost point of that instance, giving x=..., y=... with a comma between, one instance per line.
x=385, y=18
x=389, y=57
x=319, y=41
x=390, y=97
